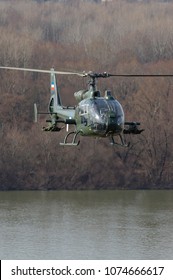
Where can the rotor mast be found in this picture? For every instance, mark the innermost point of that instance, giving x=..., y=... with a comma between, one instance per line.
x=93, y=76
x=92, y=83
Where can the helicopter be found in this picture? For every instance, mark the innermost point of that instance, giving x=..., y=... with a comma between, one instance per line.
x=94, y=115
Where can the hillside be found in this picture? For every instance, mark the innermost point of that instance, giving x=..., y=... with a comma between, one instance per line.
x=119, y=37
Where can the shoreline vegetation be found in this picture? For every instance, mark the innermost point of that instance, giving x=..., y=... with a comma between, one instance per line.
x=121, y=37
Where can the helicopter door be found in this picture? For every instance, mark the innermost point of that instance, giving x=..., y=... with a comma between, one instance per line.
x=83, y=113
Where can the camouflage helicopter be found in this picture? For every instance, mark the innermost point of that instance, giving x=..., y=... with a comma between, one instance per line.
x=94, y=115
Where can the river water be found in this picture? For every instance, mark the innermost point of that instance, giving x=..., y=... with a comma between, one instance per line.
x=86, y=225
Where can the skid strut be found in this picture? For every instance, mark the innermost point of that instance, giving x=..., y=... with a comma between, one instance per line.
x=73, y=142
x=122, y=143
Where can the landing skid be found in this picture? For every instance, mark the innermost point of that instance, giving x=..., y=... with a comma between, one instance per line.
x=122, y=143
x=73, y=142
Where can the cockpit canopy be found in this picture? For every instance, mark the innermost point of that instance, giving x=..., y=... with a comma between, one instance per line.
x=99, y=110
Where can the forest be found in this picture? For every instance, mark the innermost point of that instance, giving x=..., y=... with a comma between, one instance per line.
x=118, y=36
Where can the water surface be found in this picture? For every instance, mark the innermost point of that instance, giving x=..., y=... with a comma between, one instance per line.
x=86, y=225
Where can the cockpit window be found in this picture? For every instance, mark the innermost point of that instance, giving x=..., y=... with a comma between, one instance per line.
x=100, y=104
x=102, y=107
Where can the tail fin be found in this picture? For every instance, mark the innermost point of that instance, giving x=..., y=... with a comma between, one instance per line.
x=55, y=99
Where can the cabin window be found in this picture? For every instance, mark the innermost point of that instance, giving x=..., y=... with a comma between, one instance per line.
x=83, y=109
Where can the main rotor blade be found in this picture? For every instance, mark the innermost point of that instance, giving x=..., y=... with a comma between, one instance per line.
x=42, y=71
x=140, y=75
x=84, y=74
x=107, y=75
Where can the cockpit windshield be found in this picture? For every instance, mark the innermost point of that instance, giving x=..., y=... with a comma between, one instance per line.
x=103, y=108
